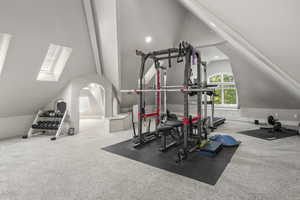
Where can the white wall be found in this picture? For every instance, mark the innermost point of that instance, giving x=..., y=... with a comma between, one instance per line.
x=34, y=24
x=256, y=87
x=15, y=126
x=215, y=67
x=115, y=107
x=291, y=115
x=288, y=117
x=196, y=32
x=272, y=27
x=71, y=95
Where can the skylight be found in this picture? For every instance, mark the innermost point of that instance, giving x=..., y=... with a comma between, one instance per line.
x=54, y=63
x=4, y=44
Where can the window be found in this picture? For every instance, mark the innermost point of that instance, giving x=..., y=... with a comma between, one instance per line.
x=54, y=63
x=226, y=92
x=4, y=44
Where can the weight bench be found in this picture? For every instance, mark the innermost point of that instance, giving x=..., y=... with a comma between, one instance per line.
x=168, y=129
x=177, y=126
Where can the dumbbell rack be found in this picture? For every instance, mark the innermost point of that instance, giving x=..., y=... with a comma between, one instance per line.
x=34, y=131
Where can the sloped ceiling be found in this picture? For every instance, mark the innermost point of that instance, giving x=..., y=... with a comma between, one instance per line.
x=197, y=33
x=270, y=30
x=270, y=26
x=105, y=12
x=34, y=24
x=162, y=20
x=256, y=88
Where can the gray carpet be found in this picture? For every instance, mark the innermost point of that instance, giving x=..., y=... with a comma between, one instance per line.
x=76, y=168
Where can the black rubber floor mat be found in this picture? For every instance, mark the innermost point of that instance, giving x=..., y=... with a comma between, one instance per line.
x=268, y=135
x=197, y=166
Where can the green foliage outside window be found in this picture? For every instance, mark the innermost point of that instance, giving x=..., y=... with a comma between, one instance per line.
x=216, y=79
x=218, y=98
x=228, y=78
x=230, y=96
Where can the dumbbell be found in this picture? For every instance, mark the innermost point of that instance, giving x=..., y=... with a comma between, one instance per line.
x=277, y=126
x=60, y=114
x=54, y=125
x=49, y=125
x=272, y=120
x=39, y=124
x=35, y=126
x=44, y=125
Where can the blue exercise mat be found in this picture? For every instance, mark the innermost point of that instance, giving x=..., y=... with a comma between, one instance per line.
x=226, y=140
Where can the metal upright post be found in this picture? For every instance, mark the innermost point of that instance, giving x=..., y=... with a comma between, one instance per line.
x=205, y=86
x=141, y=109
x=186, y=97
x=158, y=96
x=165, y=93
x=199, y=96
x=212, y=110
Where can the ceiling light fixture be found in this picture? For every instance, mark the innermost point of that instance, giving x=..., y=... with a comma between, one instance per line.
x=148, y=39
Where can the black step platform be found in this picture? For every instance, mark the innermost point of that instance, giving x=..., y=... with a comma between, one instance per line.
x=266, y=134
x=218, y=121
x=199, y=167
x=212, y=147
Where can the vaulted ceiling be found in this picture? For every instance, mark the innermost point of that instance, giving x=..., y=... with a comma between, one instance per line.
x=256, y=46
x=272, y=27
x=262, y=47
x=34, y=24
x=138, y=19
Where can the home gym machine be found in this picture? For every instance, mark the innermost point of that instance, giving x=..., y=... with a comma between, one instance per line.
x=194, y=129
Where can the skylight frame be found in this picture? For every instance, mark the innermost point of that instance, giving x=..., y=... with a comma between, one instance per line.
x=50, y=59
x=54, y=62
x=5, y=39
